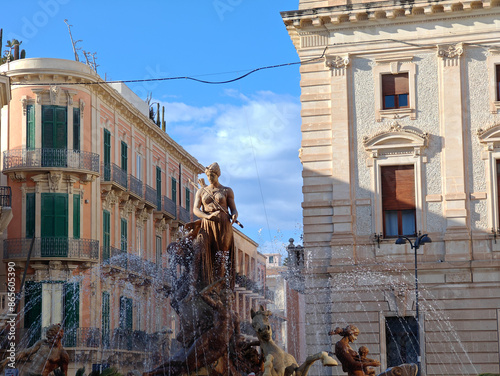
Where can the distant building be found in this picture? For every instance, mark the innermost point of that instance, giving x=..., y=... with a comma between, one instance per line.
x=98, y=192
x=401, y=137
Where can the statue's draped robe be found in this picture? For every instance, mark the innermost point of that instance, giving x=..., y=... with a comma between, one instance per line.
x=215, y=240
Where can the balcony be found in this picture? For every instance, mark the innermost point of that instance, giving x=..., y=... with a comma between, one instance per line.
x=52, y=247
x=47, y=159
x=184, y=215
x=169, y=207
x=111, y=173
x=5, y=196
x=6, y=214
x=151, y=197
x=135, y=187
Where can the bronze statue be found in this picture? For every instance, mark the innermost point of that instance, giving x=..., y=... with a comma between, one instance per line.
x=351, y=361
x=214, y=204
x=277, y=361
x=45, y=356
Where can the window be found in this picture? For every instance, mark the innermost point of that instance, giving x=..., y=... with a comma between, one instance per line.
x=271, y=259
x=76, y=128
x=158, y=251
x=124, y=155
x=30, y=215
x=123, y=235
x=401, y=340
x=54, y=135
x=174, y=190
x=107, y=155
x=138, y=167
x=158, y=187
x=126, y=307
x=497, y=81
x=71, y=312
x=398, y=200
x=395, y=90
x=30, y=127
x=105, y=321
x=33, y=311
x=106, y=234
x=188, y=199
x=76, y=216
x=140, y=241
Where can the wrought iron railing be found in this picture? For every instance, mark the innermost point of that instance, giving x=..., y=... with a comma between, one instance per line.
x=151, y=195
x=62, y=247
x=184, y=215
x=82, y=337
x=135, y=186
x=119, y=258
x=169, y=206
x=5, y=196
x=49, y=157
x=114, y=173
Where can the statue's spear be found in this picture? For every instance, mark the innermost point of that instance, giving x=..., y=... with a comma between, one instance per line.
x=203, y=187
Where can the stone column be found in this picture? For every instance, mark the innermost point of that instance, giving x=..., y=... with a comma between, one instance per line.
x=452, y=124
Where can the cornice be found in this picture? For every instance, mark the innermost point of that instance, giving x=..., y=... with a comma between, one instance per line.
x=44, y=78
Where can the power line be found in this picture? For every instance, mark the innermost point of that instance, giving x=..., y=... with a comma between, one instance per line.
x=192, y=78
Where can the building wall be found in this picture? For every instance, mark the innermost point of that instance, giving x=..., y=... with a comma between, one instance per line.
x=355, y=274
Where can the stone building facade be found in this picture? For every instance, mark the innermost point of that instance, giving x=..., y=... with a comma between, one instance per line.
x=400, y=136
x=98, y=192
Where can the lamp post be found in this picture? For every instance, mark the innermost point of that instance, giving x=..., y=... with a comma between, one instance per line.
x=420, y=240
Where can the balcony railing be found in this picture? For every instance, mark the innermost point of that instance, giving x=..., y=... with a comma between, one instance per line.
x=60, y=247
x=114, y=173
x=82, y=337
x=151, y=196
x=184, y=215
x=119, y=258
x=169, y=206
x=135, y=186
x=5, y=196
x=48, y=157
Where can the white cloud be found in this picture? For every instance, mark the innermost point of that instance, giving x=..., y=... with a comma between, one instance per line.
x=256, y=143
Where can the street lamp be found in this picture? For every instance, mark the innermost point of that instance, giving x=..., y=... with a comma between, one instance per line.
x=420, y=240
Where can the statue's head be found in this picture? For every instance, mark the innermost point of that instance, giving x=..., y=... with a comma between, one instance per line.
x=260, y=322
x=212, y=172
x=54, y=333
x=363, y=350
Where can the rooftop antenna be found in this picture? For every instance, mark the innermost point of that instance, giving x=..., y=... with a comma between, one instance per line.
x=73, y=43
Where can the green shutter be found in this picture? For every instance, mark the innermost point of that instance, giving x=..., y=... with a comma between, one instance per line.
x=158, y=187
x=71, y=312
x=54, y=228
x=107, y=155
x=76, y=216
x=124, y=156
x=33, y=311
x=105, y=321
x=54, y=127
x=30, y=215
x=106, y=234
x=126, y=313
x=188, y=199
x=30, y=127
x=174, y=190
x=76, y=128
x=124, y=235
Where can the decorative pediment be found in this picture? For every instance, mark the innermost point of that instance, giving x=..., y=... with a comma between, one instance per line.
x=490, y=136
x=396, y=140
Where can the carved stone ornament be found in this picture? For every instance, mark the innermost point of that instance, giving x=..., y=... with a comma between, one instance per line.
x=54, y=94
x=82, y=107
x=450, y=51
x=54, y=179
x=141, y=216
x=337, y=61
x=109, y=199
x=24, y=102
x=161, y=225
x=127, y=208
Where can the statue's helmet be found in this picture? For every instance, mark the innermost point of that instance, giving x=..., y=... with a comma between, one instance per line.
x=214, y=167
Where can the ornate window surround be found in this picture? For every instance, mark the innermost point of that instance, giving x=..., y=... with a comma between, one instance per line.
x=396, y=146
x=492, y=61
x=490, y=138
x=395, y=65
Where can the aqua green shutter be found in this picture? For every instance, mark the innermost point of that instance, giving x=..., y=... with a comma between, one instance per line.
x=54, y=229
x=33, y=310
x=54, y=127
x=124, y=235
x=174, y=190
x=158, y=187
x=188, y=199
x=71, y=312
x=30, y=215
x=30, y=127
x=105, y=322
x=106, y=234
x=107, y=155
x=124, y=156
x=76, y=128
x=76, y=216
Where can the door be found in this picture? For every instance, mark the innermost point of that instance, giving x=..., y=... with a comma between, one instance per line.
x=54, y=136
x=54, y=229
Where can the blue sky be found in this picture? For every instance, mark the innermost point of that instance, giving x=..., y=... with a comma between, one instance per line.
x=251, y=127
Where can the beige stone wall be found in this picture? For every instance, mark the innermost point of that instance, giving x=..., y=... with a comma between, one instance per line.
x=448, y=134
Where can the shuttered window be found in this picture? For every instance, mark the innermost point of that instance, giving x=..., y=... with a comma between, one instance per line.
x=106, y=234
x=33, y=311
x=497, y=68
x=395, y=90
x=76, y=216
x=188, y=199
x=105, y=321
x=398, y=200
x=30, y=127
x=158, y=187
x=71, y=313
x=174, y=190
x=124, y=235
x=124, y=156
x=76, y=128
x=126, y=313
x=30, y=215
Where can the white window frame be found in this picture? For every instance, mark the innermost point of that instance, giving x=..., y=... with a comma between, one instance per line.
x=395, y=65
x=492, y=61
x=396, y=147
x=138, y=167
